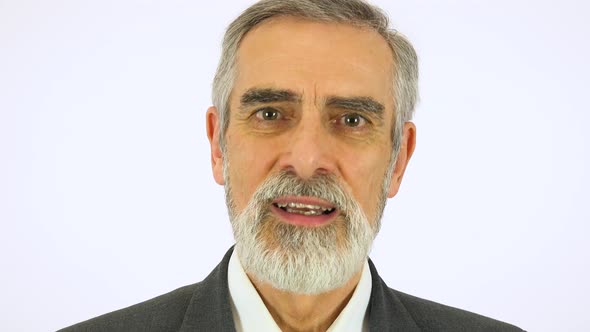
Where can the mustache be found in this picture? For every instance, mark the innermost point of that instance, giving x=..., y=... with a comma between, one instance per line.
x=286, y=183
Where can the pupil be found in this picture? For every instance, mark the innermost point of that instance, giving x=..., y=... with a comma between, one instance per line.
x=270, y=115
x=352, y=121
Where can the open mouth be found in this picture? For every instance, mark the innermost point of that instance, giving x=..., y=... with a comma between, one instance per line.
x=306, y=211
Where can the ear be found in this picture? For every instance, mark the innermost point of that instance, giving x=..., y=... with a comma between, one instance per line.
x=212, y=119
x=403, y=158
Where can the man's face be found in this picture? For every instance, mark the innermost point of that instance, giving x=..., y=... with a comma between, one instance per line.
x=310, y=99
x=316, y=62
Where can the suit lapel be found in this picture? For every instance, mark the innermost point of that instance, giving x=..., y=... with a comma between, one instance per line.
x=210, y=308
x=386, y=311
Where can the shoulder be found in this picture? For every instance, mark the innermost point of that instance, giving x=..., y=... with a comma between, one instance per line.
x=202, y=304
x=394, y=310
x=162, y=313
x=432, y=316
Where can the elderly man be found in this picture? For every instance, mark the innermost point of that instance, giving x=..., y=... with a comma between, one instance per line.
x=310, y=134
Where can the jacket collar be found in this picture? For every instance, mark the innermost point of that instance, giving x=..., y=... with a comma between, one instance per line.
x=210, y=306
x=386, y=311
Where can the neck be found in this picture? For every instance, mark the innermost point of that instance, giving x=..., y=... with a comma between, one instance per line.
x=297, y=312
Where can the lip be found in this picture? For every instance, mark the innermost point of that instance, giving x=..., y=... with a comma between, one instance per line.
x=300, y=219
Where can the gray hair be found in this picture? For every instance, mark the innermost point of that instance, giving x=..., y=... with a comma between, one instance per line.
x=354, y=12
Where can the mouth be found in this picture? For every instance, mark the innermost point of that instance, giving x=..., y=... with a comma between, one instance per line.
x=304, y=211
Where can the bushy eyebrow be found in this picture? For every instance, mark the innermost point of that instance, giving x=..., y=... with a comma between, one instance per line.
x=357, y=104
x=260, y=96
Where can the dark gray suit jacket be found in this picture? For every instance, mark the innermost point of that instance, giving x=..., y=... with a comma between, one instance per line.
x=205, y=306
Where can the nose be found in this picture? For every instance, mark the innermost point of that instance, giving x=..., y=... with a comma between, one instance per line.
x=309, y=149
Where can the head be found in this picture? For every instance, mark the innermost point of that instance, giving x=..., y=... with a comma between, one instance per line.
x=310, y=134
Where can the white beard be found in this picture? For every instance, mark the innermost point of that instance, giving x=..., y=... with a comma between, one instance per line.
x=298, y=259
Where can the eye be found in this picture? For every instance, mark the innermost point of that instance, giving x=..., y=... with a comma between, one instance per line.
x=353, y=120
x=268, y=114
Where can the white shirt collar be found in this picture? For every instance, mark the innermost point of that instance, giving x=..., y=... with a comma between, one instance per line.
x=250, y=313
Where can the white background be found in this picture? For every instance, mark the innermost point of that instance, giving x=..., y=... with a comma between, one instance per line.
x=106, y=193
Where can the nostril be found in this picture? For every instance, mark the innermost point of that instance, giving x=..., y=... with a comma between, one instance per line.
x=322, y=171
x=307, y=160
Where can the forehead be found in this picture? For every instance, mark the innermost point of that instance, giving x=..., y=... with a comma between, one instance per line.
x=315, y=58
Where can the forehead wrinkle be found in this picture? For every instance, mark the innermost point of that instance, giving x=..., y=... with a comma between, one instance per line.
x=316, y=102
x=313, y=100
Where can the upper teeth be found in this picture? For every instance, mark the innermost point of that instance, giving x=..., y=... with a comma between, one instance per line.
x=303, y=206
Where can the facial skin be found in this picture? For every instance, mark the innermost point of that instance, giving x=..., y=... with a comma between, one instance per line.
x=311, y=99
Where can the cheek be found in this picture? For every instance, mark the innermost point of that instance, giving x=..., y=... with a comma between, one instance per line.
x=248, y=168
x=365, y=176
